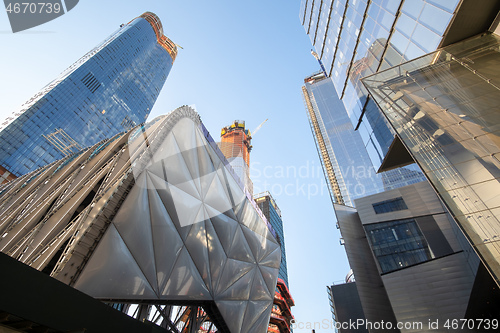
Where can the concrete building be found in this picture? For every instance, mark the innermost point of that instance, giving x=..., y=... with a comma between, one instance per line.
x=413, y=266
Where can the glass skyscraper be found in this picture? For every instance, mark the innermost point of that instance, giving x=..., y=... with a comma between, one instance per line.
x=281, y=314
x=109, y=90
x=347, y=165
x=450, y=98
x=271, y=211
x=439, y=110
x=356, y=38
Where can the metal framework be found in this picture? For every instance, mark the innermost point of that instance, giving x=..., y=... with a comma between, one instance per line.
x=63, y=142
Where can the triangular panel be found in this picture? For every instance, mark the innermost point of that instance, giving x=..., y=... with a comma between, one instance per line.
x=168, y=148
x=270, y=276
x=187, y=207
x=156, y=169
x=233, y=313
x=216, y=196
x=176, y=168
x=273, y=260
x=224, y=227
x=261, y=247
x=240, y=290
x=260, y=291
x=240, y=249
x=167, y=242
x=254, y=311
x=262, y=323
x=233, y=270
x=196, y=244
x=234, y=190
x=205, y=182
x=163, y=190
x=216, y=254
x=205, y=163
x=112, y=272
x=185, y=134
x=185, y=282
x=191, y=158
x=133, y=223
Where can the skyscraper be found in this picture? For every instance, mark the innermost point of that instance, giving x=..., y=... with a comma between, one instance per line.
x=444, y=107
x=345, y=160
x=281, y=314
x=236, y=146
x=374, y=36
x=109, y=90
x=438, y=110
x=355, y=38
x=271, y=211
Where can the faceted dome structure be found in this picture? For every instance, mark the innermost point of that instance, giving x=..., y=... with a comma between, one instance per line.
x=168, y=224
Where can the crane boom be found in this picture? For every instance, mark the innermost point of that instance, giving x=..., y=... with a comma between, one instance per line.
x=258, y=128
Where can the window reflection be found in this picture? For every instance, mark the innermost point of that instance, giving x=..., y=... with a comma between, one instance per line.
x=398, y=244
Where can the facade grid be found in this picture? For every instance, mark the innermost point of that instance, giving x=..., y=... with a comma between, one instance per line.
x=109, y=90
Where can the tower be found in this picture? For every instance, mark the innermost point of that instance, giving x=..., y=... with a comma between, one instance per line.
x=281, y=314
x=236, y=146
x=109, y=90
x=346, y=162
x=415, y=93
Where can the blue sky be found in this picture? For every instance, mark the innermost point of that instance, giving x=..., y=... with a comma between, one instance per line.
x=241, y=60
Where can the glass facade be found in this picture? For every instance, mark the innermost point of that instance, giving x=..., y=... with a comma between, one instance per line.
x=356, y=38
x=271, y=211
x=397, y=244
x=445, y=108
x=109, y=90
x=344, y=152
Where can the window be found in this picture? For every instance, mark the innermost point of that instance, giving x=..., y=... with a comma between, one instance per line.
x=398, y=244
x=391, y=205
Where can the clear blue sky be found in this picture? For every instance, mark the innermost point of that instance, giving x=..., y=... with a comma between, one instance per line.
x=241, y=60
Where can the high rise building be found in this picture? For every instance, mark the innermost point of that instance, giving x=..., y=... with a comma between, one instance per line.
x=444, y=108
x=355, y=38
x=345, y=160
x=438, y=110
x=271, y=211
x=281, y=315
x=236, y=146
x=153, y=217
x=109, y=90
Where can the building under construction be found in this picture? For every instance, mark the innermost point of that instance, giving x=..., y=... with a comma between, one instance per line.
x=236, y=146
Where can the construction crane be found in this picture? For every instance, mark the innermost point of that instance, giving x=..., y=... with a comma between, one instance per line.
x=258, y=128
x=251, y=134
x=315, y=55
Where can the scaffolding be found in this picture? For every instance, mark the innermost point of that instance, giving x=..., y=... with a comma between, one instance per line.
x=63, y=142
